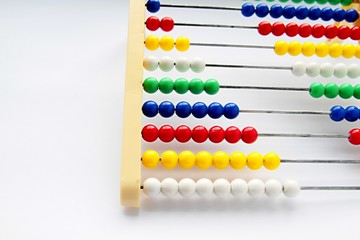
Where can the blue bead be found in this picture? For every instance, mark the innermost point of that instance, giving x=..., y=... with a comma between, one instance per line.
x=352, y=114
x=327, y=14
x=183, y=109
x=231, y=110
x=199, y=110
x=301, y=12
x=247, y=9
x=262, y=10
x=215, y=110
x=351, y=15
x=337, y=113
x=166, y=109
x=339, y=14
x=289, y=12
x=153, y=6
x=276, y=11
x=314, y=13
x=150, y=109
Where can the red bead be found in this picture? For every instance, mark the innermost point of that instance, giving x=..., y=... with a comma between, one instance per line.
x=292, y=29
x=318, y=31
x=278, y=29
x=305, y=30
x=344, y=32
x=355, y=33
x=232, y=135
x=200, y=134
x=249, y=135
x=167, y=24
x=150, y=133
x=354, y=136
x=152, y=23
x=216, y=134
x=264, y=28
x=183, y=134
x=331, y=31
x=166, y=133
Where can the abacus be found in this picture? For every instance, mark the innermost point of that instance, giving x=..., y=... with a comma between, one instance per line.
x=212, y=114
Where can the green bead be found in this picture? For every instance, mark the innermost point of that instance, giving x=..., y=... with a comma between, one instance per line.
x=296, y=1
x=196, y=86
x=166, y=85
x=321, y=1
x=270, y=0
x=283, y=1
x=346, y=2
x=212, y=86
x=309, y=1
x=317, y=90
x=346, y=91
x=181, y=86
x=334, y=2
x=331, y=90
x=151, y=85
x=357, y=91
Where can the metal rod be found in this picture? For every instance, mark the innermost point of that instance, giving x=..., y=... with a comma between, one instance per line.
x=214, y=25
x=331, y=188
x=231, y=45
x=302, y=135
x=265, y=88
x=286, y=112
x=248, y=66
x=199, y=7
x=321, y=161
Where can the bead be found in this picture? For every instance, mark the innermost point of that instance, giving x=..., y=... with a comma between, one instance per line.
x=182, y=64
x=309, y=1
x=344, y=32
x=152, y=23
x=239, y=187
x=232, y=134
x=298, y=69
x=353, y=71
x=204, y=187
x=169, y=187
x=321, y=1
x=340, y=70
x=317, y=90
x=322, y=50
x=273, y=188
x=331, y=31
x=169, y=159
x=308, y=49
x=199, y=110
x=357, y=91
x=255, y=161
x=301, y=12
x=291, y=188
x=197, y=65
x=346, y=91
x=166, y=43
x=183, y=134
x=278, y=29
x=318, y=31
x=166, y=109
x=166, y=133
x=327, y=14
x=212, y=86
x=150, y=109
x=314, y=13
x=261, y=10
x=152, y=42
x=348, y=51
x=256, y=188
x=281, y=48
x=331, y=90
x=166, y=85
x=151, y=63
x=153, y=6
x=305, y=30
x=216, y=134
x=334, y=2
x=182, y=44
x=152, y=187
x=313, y=69
x=346, y=2
x=199, y=134
x=238, y=160
x=276, y=11
x=289, y=12
x=247, y=9
x=222, y=187
x=337, y=113
x=187, y=187
x=231, y=111
x=150, y=133
x=351, y=15
x=203, y=160
x=296, y=1
x=220, y=160
x=166, y=64
x=151, y=85
x=292, y=29
x=355, y=33
x=335, y=50
x=352, y=114
x=181, y=86
x=326, y=70
x=187, y=160
x=264, y=28
x=357, y=52
x=215, y=110
x=183, y=109
x=167, y=24
x=339, y=14
x=249, y=135
x=294, y=48
x=150, y=159
x=354, y=136
x=196, y=86
x=271, y=161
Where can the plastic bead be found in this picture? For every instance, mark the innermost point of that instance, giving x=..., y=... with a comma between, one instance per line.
x=327, y=14
x=166, y=133
x=314, y=13
x=348, y=51
x=249, y=135
x=166, y=109
x=352, y=114
x=152, y=23
x=273, y=188
x=215, y=110
x=264, y=28
x=346, y=91
x=357, y=52
x=276, y=11
x=326, y=70
x=305, y=30
x=199, y=134
x=167, y=43
x=357, y=91
x=204, y=187
x=183, y=109
x=203, y=160
x=153, y=6
x=355, y=33
x=281, y=48
x=239, y=187
x=339, y=15
x=212, y=86
x=261, y=10
x=308, y=49
x=216, y=134
x=187, y=160
x=222, y=187
x=331, y=90
x=231, y=111
x=291, y=188
x=167, y=24
x=344, y=32
x=150, y=109
x=322, y=50
x=238, y=160
x=151, y=63
x=337, y=113
x=318, y=31
x=353, y=71
x=182, y=64
x=152, y=187
x=232, y=134
x=166, y=64
x=313, y=69
x=199, y=110
x=181, y=86
x=256, y=188
x=152, y=42
x=331, y=31
x=317, y=90
x=169, y=159
x=150, y=133
x=220, y=160
x=150, y=159
x=247, y=9
x=187, y=187
x=182, y=44
x=183, y=134
x=166, y=85
x=335, y=50
x=354, y=136
x=346, y=2
x=289, y=12
x=294, y=48
x=321, y=1
x=298, y=69
x=197, y=65
x=169, y=187
x=292, y=29
x=309, y=1
x=278, y=29
x=296, y=1
x=254, y=161
x=151, y=85
x=196, y=86
x=301, y=12
x=334, y=2
x=271, y=161
x=340, y=70
x=351, y=15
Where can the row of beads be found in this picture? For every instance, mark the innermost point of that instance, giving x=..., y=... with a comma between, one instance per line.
x=167, y=43
x=350, y=114
x=153, y=23
x=198, y=134
x=187, y=187
x=314, y=69
x=332, y=2
x=332, y=90
x=306, y=30
x=166, y=64
x=204, y=160
x=301, y=12
x=309, y=49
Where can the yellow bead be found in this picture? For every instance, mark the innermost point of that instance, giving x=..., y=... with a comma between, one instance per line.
x=167, y=43
x=294, y=48
x=187, y=159
x=203, y=160
x=150, y=159
x=322, y=49
x=255, y=161
x=169, y=159
x=237, y=160
x=271, y=161
x=335, y=50
x=182, y=44
x=220, y=160
x=152, y=42
x=281, y=48
x=348, y=51
x=357, y=52
x=308, y=49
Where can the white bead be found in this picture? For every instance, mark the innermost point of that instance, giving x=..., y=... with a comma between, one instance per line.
x=187, y=187
x=273, y=188
x=326, y=70
x=222, y=187
x=313, y=69
x=353, y=71
x=204, y=187
x=169, y=187
x=152, y=187
x=197, y=65
x=291, y=188
x=239, y=187
x=298, y=69
x=340, y=70
x=151, y=63
x=256, y=188
x=182, y=64
x=166, y=64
